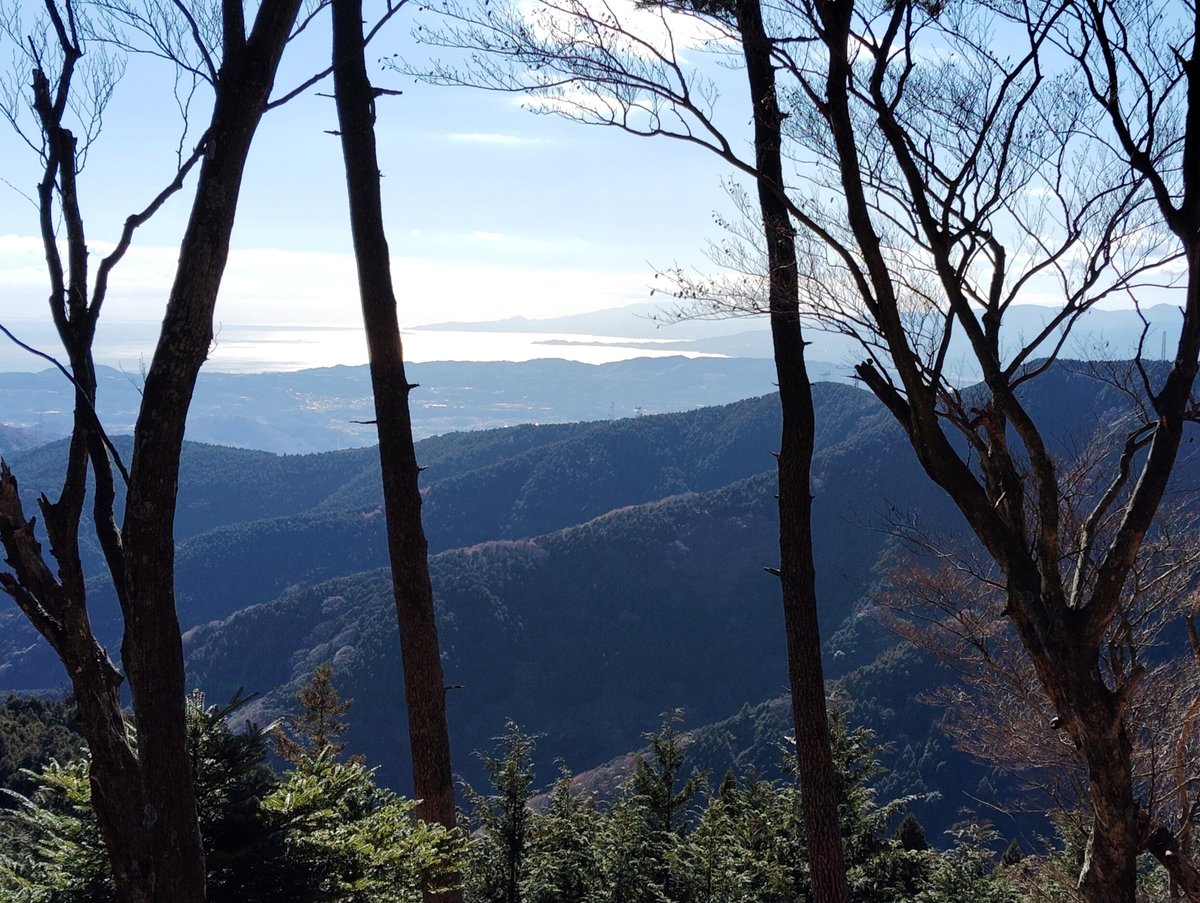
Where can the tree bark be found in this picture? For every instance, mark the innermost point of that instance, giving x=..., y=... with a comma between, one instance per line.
x=408, y=551
x=60, y=615
x=1094, y=715
x=1063, y=636
x=152, y=649
x=797, y=569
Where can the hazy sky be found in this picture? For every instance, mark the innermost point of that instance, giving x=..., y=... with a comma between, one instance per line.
x=492, y=211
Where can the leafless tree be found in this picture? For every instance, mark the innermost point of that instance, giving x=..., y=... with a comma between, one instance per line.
x=599, y=65
x=142, y=792
x=949, y=162
x=966, y=180
x=952, y=604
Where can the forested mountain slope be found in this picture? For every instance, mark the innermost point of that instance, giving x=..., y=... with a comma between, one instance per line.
x=253, y=524
x=589, y=576
x=585, y=634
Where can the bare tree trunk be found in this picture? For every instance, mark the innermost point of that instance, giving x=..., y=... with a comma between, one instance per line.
x=153, y=647
x=797, y=570
x=1110, y=863
x=424, y=686
x=60, y=614
x=152, y=650
x=1094, y=716
x=143, y=796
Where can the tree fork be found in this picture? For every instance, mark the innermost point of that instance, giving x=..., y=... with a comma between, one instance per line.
x=144, y=799
x=152, y=649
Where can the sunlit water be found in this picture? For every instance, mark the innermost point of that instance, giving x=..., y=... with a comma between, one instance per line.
x=129, y=346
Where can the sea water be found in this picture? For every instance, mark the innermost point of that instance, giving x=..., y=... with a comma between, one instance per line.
x=257, y=348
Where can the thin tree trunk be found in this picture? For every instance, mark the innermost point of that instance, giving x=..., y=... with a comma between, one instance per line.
x=143, y=797
x=797, y=570
x=408, y=551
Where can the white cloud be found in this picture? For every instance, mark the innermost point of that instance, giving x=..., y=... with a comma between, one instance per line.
x=20, y=244
x=492, y=138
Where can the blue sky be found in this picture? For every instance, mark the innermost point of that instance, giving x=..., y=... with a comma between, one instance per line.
x=492, y=211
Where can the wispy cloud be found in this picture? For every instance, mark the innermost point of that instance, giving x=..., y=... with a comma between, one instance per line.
x=492, y=138
x=626, y=27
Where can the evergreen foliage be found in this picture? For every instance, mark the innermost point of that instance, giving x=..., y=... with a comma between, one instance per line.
x=656, y=779
x=231, y=779
x=562, y=861
x=321, y=832
x=668, y=839
x=34, y=730
x=504, y=819
x=317, y=726
x=345, y=840
x=50, y=845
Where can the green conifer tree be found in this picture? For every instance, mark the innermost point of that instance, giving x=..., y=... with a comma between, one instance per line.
x=505, y=819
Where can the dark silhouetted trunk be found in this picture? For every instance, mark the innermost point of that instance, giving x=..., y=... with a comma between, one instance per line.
x=997, y=489
x=152, y=650
x=408, y=551
x=796, y=570
x=143, y=796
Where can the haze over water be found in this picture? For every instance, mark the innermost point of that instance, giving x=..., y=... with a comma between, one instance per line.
x=249, y=348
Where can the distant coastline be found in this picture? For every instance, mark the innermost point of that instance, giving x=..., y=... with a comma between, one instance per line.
x=599, y=337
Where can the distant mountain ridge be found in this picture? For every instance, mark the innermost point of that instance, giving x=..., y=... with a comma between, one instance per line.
x=589, y=576
x=1100, y=333
x=14, y=438
x=330, y=408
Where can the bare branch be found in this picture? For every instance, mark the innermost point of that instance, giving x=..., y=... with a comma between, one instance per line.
x=112, y=450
